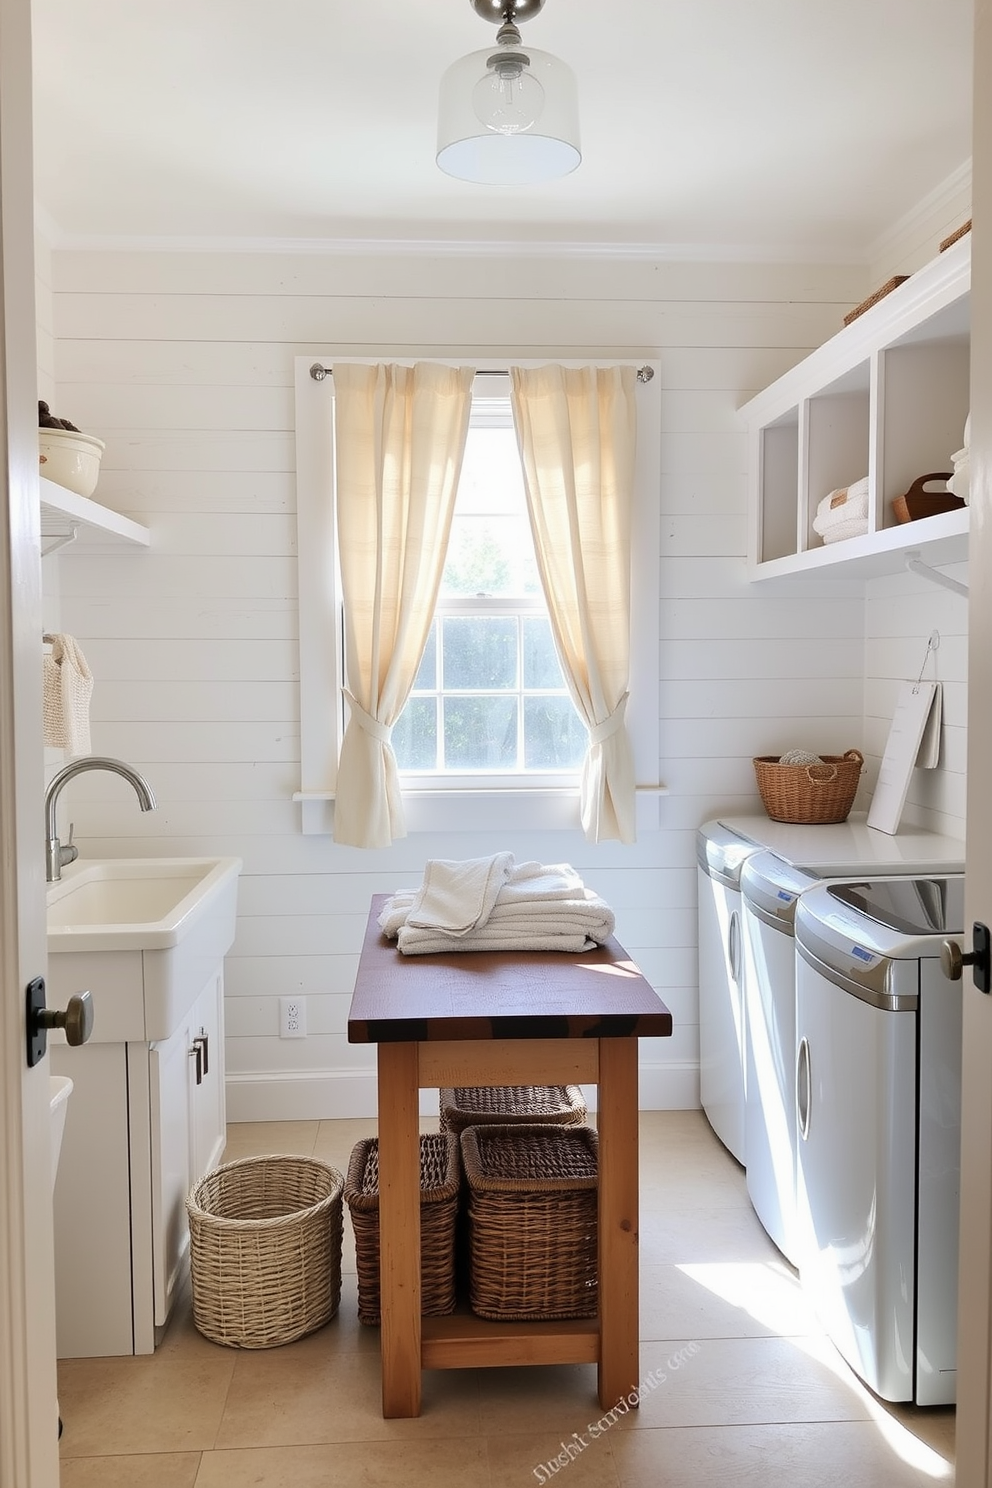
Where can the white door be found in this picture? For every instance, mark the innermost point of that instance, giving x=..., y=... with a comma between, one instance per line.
x=974, y=1457
x=28, y=1409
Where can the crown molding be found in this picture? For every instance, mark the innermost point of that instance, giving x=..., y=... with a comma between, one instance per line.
x=927, y=217
x=450, y=248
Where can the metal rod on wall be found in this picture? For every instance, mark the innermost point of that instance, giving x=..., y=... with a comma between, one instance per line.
x=318, y=372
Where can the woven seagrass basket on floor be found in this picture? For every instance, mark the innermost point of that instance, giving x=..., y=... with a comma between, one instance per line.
x=533, y=1195
x=814, y=794
x=486, y=1105
x=265, y=1250
x=440, y=1180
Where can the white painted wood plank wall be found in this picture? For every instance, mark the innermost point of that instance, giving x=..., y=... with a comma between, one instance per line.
x=183, y=363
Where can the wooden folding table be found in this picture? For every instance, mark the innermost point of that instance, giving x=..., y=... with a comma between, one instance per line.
x=503, y=1018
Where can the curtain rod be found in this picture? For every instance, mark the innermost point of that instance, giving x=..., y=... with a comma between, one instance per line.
x=318, y=372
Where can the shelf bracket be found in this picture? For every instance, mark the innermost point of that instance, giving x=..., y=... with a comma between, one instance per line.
x=915, y=564
x=61, y=541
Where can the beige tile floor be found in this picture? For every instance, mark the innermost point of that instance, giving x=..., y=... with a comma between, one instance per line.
x=752, y=1393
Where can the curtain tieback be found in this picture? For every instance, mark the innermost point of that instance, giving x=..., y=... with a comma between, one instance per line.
x=380, y=731
x=600, y=732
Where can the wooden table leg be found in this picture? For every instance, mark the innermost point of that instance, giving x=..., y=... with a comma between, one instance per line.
x=618, y=1235
x=399, y=1228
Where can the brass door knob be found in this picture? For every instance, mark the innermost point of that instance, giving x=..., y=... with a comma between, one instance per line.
x=76, y=1018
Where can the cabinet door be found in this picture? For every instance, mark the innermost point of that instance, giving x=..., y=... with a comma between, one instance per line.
x=207, y=1105
x=169, y=1068
x=188, y=1131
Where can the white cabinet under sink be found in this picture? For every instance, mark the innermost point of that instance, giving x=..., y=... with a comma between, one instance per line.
x=142, y=1131
x=148, y=1110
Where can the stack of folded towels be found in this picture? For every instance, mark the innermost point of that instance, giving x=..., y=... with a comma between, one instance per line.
x=495, y=904
x=843, y=513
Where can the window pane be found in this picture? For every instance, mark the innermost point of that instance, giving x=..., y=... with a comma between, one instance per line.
x=555, y=738
x=491, y=556
x=479, y=652
x=415, y=735
x=480, y=733
x=426, y=678
x=541, y=665
x=490, y=550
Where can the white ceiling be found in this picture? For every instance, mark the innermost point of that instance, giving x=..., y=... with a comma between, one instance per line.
x=798, y=126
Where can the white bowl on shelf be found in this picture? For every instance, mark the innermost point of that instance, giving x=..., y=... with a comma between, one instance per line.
x=70, y=459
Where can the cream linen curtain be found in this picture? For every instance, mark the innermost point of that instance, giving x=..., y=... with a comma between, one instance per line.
x=576, y=431
x=399, y=440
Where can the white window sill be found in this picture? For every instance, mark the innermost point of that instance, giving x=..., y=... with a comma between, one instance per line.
x=506, y=809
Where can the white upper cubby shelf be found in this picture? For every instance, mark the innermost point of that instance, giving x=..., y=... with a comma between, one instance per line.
x=69, y=518
x=886, y=398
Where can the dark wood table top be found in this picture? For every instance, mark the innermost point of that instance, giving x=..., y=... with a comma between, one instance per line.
x=499, y=994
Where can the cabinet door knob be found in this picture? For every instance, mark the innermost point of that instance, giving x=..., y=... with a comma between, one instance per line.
x=76, y=1019
x=953, y=960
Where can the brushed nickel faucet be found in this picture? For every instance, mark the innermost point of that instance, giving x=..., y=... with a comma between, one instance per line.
x=56, y=856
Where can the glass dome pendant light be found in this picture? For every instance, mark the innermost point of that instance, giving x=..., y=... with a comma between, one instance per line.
x=509, y=116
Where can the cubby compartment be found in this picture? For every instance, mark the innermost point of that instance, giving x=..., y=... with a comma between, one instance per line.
x=838, y=438
x=924, y=384
x=779, y=486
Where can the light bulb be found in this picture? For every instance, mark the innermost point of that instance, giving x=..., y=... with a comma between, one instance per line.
x=509, y=99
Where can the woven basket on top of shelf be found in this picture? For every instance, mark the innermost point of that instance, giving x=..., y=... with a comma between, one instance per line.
x=488, y=1105
x=814, y=794
x=533, y=1210
x=440, y=1181
x=265, y=1250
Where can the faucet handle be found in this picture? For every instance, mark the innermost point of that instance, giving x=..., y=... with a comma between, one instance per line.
x=67, y=852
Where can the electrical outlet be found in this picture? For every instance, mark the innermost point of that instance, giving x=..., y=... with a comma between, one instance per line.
x=292, y=1017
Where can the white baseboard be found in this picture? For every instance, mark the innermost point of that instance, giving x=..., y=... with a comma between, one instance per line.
x=333, y=1095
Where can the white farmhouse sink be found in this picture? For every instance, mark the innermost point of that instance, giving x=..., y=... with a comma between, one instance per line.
x=143, y=934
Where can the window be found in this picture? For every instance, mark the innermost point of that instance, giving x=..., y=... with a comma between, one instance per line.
x=490, y=736
x=490, y=699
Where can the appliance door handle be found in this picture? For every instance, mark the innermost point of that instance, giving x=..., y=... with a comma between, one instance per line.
x=734, y=947
x=803, y=1088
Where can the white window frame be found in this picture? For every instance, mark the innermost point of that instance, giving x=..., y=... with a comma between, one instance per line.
x=450, y=805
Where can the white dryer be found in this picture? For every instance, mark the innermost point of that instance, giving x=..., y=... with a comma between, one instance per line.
x=878, y=1101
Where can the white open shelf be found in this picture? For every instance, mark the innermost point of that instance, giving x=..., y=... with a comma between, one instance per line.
x=886, y=398
x=69, y=518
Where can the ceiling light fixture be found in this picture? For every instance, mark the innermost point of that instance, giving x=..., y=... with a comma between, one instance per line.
x=509, y=116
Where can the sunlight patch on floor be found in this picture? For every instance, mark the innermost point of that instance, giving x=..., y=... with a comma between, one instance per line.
x=770, y=1293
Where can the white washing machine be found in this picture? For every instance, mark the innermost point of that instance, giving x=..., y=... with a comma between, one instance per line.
x=770, y=890
x=878, y=1102
x=720, y=854
x=844, y=849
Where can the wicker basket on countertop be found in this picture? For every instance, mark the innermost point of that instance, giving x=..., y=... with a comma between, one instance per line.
x=813, y=793
x=265, y=1250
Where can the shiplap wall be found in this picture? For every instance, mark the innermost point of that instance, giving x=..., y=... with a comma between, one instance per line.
x=183, y=363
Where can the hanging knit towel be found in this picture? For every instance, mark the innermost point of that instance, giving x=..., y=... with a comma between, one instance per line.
x=68, y=687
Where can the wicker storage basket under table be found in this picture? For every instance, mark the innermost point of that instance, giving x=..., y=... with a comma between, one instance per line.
x=265, y=1250
x=533, y=1196
x=463, y=1106
x=814, y=794
x=440, y=1180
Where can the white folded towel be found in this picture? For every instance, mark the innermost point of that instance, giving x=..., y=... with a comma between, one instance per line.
x=67, y=689
x=456, y=896
x=537, y=907
x=582, y=922
x=847, y=504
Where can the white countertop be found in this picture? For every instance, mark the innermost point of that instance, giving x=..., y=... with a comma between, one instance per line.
x=852, y=846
